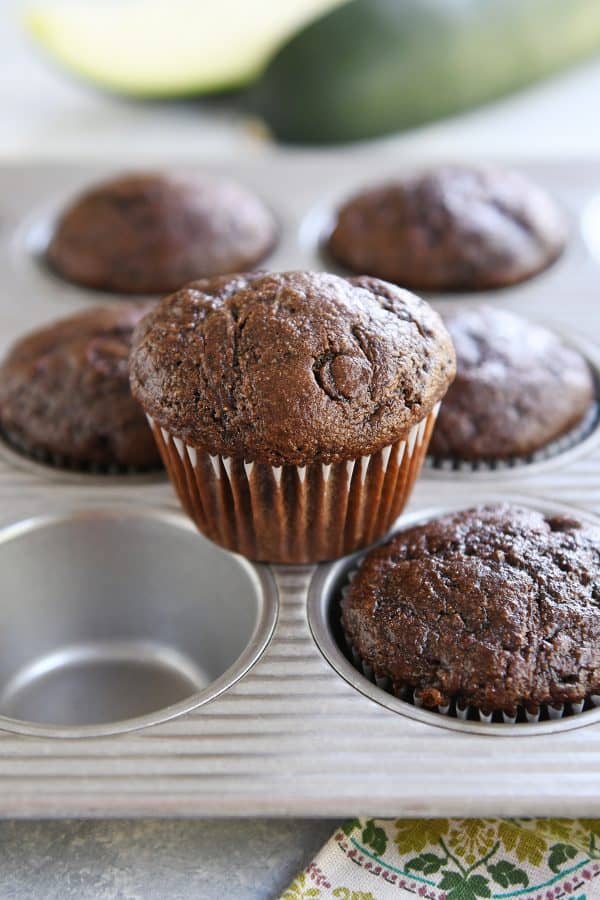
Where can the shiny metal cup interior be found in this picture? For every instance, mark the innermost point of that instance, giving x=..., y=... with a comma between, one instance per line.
x=112, y=620
x=325, y=593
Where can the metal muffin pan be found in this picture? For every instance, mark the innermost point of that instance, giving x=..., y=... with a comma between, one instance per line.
x=120, y=624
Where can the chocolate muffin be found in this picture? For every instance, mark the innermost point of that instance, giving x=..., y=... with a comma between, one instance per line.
x=518, y=388
x=495, y=607
x=151, y=233
x=453, y=228
x=293, y=410
x=65, y=396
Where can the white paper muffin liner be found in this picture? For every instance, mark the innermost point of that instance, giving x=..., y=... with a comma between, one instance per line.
x=410, y=695
x=295, y=514
x=574, y=436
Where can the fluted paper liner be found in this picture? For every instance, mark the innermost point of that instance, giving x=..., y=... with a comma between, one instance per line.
x=295, y=514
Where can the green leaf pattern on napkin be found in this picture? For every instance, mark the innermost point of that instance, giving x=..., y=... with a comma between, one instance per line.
x=456, y=859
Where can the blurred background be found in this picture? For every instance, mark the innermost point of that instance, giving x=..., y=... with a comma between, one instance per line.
x=52, y=110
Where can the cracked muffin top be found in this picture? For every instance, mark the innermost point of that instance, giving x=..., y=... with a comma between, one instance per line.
x=496, y=606
x=451, y=228
x=518, y=387
x=64, y=391
x=151, y=233
x=292, y=367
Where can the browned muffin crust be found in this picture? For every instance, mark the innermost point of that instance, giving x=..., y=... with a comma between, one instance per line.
x=451, y=228
x=290, y=367
x=64, y=391
x=518, y=387
x=152, y=233
x=496, y=606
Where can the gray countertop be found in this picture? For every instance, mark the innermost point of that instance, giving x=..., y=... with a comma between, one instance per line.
x=151, y=859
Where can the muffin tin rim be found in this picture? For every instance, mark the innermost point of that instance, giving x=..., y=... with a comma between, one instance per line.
x=260, y=575
x=321, y=594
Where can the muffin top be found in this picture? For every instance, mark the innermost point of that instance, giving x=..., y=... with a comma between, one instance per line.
x=292, y=367
x=450, y=228
x=151, y=233
x=518, y=387
x=495, y=606
x=64, y=391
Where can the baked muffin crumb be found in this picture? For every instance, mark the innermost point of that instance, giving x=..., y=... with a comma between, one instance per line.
x=518, y=388
x=292, y=367
x=149, y=233
x=495, y=607
x=64, y=392
x=450, y=228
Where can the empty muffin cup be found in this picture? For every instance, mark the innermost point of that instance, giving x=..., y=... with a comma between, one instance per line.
x=113, y=620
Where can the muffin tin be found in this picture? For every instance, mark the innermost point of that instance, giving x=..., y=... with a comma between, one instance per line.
x=146, y=672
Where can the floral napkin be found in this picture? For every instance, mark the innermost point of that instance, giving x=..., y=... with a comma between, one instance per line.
x=455, y=859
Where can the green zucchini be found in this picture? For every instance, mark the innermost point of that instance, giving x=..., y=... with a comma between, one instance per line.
x=371, y=67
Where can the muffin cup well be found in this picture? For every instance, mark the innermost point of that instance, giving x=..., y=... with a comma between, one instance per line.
x=295, y=514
